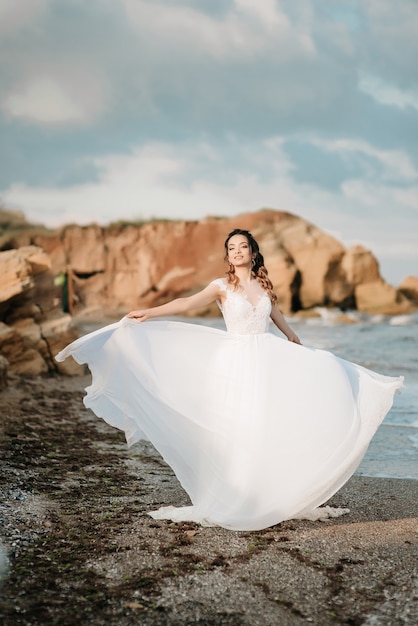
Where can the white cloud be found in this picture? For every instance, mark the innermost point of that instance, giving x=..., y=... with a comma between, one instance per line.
x=408, y=198
x=394, y=164
x=249, y=29
x=152, y=181
x=142, y=184
x=381, y=197
x=42, y=100
x=57, y=96
x=388, y=94
x=265, y=11
x=15, y=15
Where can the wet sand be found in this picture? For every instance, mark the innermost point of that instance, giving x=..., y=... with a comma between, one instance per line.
x=79, y=548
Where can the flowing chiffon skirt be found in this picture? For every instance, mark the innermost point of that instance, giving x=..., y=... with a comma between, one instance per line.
x=257, y=429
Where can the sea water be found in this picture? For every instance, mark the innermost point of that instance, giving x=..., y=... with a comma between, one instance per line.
x=388, y=345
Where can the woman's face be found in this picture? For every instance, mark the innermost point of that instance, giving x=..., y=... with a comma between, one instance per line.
x=239, y=251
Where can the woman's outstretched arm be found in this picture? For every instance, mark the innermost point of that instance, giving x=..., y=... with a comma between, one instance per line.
x=278, y=319
x=180, y=305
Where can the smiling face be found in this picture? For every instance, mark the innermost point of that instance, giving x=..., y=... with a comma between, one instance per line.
x=239, y=251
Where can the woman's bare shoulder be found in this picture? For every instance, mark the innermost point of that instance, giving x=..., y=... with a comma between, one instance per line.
x=220, y=283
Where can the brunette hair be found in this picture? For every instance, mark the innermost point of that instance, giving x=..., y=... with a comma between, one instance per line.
x=258, y=270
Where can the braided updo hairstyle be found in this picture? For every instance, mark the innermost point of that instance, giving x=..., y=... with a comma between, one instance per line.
x=258, y=269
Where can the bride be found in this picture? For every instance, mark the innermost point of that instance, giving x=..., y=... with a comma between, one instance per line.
x=257, y=429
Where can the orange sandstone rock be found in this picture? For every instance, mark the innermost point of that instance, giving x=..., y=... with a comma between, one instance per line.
x=409, y=288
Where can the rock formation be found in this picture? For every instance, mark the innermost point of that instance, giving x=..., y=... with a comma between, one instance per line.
x=371, y=293
x=113, y=269
x=32, y=326
x=409, y=288
x=126, y=266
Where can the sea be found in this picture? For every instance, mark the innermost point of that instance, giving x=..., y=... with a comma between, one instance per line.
x=388, y=345
x=385, y=344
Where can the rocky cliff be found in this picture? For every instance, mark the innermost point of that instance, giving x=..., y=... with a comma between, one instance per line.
x=110, y=270
x=119, y=267
x=123, y=266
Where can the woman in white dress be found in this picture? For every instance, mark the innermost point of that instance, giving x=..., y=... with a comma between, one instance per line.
x=258, y=429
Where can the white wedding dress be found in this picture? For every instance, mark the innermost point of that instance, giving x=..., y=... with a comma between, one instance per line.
x=257, y=429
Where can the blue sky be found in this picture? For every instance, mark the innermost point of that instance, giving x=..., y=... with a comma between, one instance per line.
x=127, y=109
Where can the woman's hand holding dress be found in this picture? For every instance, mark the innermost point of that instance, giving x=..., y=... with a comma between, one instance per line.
x=141, y=315
x=292, y=336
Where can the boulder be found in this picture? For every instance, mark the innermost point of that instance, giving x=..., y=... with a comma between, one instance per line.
x=56, y=333
x=11, y=343
x=314, y=253
x=29, y=331
x=4, y=368
x=32, y=328
x=30, y=363
x=22, y=356
x=379, y=297
x=360, y=266
x=409, y=289
x=18, y=268
x=286, y=278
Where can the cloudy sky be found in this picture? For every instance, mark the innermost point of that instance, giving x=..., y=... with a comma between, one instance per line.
x=128, y=109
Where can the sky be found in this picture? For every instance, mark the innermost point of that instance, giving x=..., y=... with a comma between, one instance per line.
x=181, y=109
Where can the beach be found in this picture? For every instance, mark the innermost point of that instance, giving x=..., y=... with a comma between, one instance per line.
x=79, y=547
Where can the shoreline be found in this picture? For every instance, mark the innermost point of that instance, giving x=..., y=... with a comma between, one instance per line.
x=82, y=549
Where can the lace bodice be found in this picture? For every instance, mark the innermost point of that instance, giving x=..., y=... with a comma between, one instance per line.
x=240, y=315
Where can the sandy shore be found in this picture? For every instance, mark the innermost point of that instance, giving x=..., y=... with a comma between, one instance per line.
x=79, y=548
